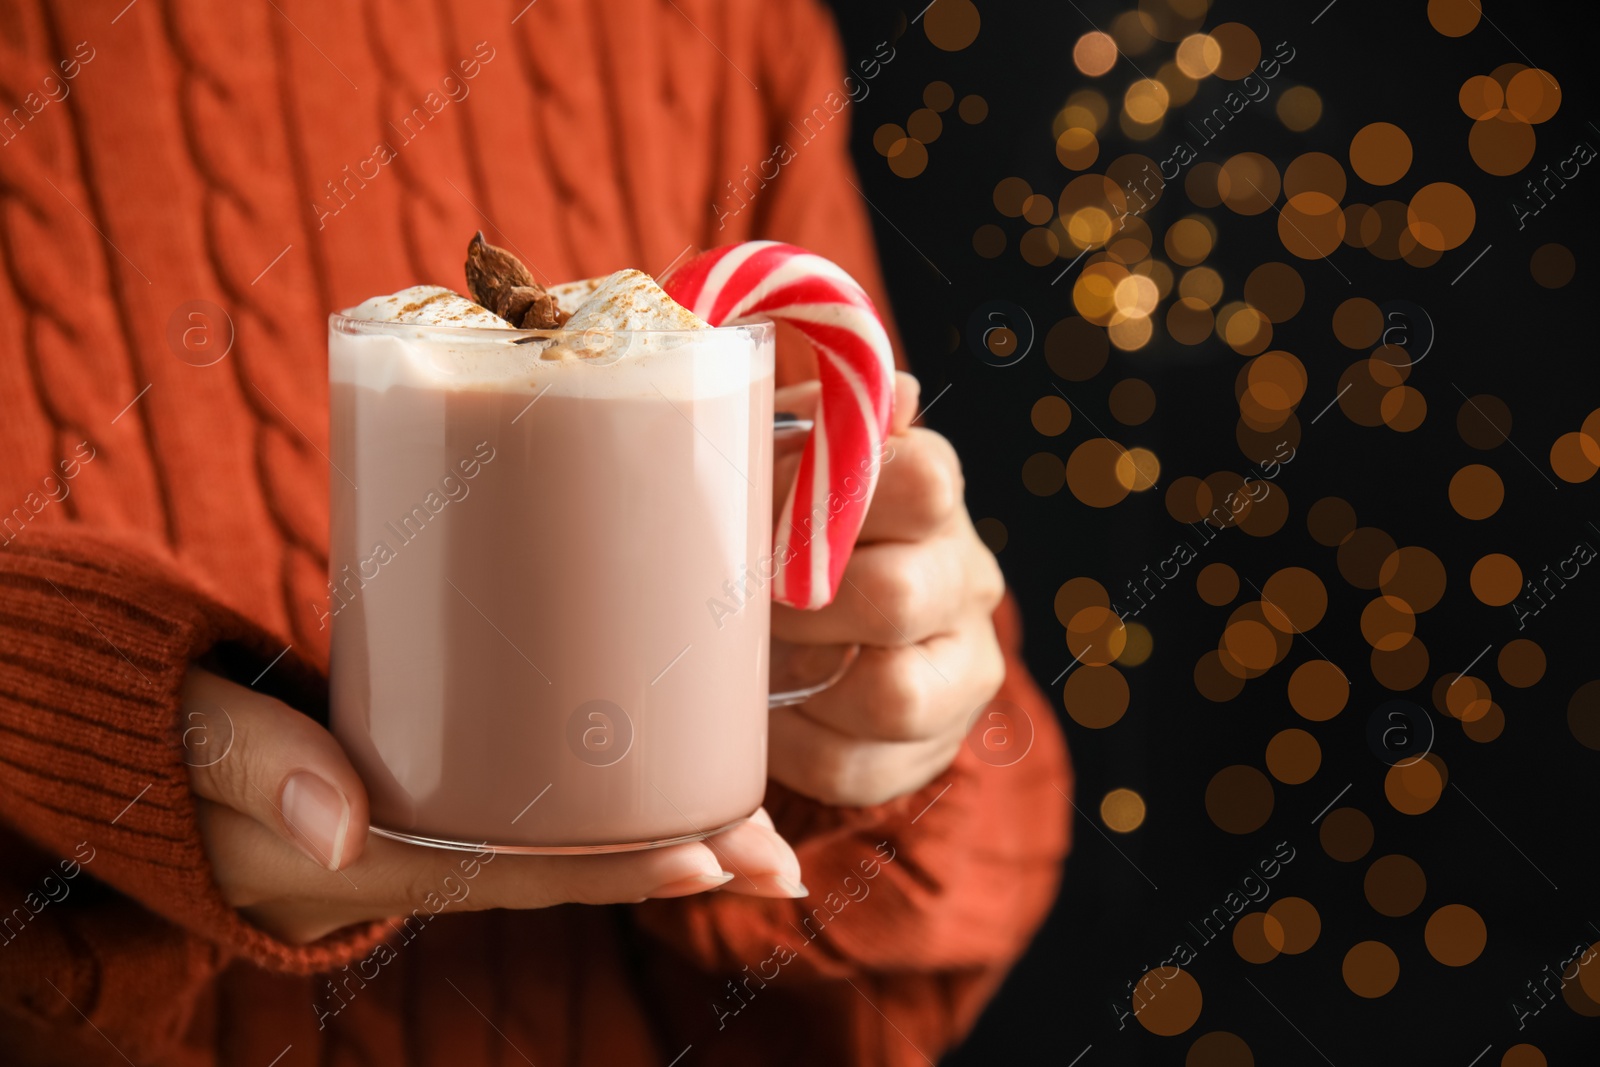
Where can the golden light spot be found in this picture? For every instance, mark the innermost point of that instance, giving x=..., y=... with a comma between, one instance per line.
x=1370, y=969
x=1403, y=408
x=1134, y=295
x=1130, y=332
x=1076, y=594
x=1414, y=575
x=1075, y=349
x=988, y=240
x=1395, y=885
x=952, y=25
x=1357, y=323
x=1189, y=321
x=1134, y=32
x=973, y=109
x=1241, y=50
x=1077, y=148
x=924, y=125
x=1039, y=246
x=1380, y=153
x=1201, y=283
x=1092, y=473
x=1170, y=1005
x=1239, y=799
x=1414, y=786
x=1010, y=194
x=1122, y=810
x=1387, y=623
x=1521, y=663
x=1276, y=290
x=1132, y=402
x=1251, y=644
x=1255, y=938
x=1294, y=600
x=1314, y=172
x=1484, y=422
x=1188, y=241
x=1299, y=108
x=1138, y=469
x=908, y=158
x=1096, y=636
x=1216, y=683
x=1243, y=328
x=1139, y=646
x=1198, y=55
x=1311, y=225
x=1552, y=265
x=1401, y=669
x=1089, y=226
x=1217, y=584
x=1346, y=834
x=1248, y=183
x=1533, y=95
x=1094, y=54
x=1476, y=491
x=886, y=137
x=1293, y=756
x=1441, y=216
x=1299, y=925
x=1501, y=144
x=939, y=96
x=1575, y=457
x=1362, y=555
x=1146, y=101
x=1481, y=96
x=993, y=533
x=1466, y=698
x=1095, y=697
x=1455, y=935
x=1496, y=579
x=1454, y=18
x=1052, y=415
x=1042, y=474
x=1524, y=1055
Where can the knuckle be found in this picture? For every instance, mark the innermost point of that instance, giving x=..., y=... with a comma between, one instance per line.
x=934, y=473
x=899, y=703
x=895, y=594
x=991, y=581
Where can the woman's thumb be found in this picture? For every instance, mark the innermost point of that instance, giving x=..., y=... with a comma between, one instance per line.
x=266, y=760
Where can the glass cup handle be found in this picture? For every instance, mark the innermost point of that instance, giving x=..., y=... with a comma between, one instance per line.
x=807, y=670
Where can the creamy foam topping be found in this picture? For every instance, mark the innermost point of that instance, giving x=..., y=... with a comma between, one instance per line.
x=597, y=353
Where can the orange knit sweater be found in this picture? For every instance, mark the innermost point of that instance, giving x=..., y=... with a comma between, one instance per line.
x=187, y=188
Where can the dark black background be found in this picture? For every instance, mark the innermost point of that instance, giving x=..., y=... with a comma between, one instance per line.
x=1533, y=825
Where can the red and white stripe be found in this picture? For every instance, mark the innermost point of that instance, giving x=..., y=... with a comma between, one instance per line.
x=757, y=280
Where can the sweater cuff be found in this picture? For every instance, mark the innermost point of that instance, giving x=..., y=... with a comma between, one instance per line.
x=95, y=641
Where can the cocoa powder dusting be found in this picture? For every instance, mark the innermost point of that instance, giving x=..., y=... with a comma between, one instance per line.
x=500, y=282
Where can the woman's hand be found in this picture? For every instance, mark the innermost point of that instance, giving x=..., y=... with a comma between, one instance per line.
x=284, y=820
x=917, y=595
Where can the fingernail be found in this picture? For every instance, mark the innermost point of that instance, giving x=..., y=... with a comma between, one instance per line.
x=318, y=815
x=698, y=883
x=793, y=888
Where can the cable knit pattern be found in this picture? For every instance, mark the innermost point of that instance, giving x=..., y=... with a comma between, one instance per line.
x=227, y=157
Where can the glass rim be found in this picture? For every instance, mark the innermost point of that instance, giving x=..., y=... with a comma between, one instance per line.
x=343, y=322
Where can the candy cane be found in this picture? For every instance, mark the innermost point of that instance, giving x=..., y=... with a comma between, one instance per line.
x=756, y=280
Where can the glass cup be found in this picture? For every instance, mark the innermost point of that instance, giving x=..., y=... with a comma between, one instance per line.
x=551, y=566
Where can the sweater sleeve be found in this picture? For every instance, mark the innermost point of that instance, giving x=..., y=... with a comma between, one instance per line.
x=120, y=923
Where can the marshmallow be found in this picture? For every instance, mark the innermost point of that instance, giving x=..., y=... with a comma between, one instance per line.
x=630, y=300
x=428, y=305
x=569, y=296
